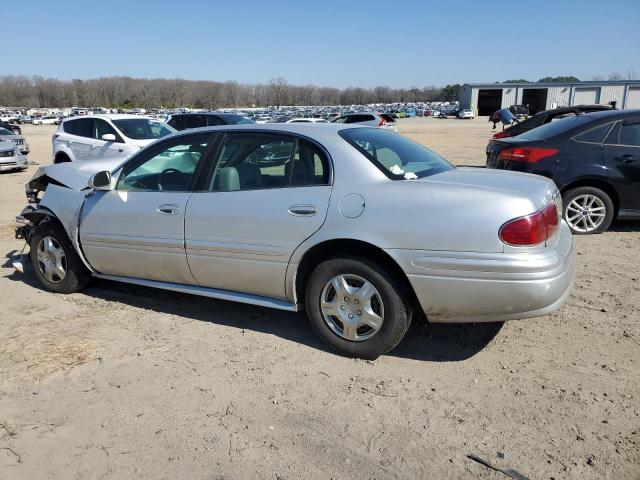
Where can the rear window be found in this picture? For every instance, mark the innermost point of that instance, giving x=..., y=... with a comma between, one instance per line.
x=397, y=156
x=553, y=129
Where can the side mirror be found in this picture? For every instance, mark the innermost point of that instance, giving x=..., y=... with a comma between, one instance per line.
x=101, y=181
x=109, y=137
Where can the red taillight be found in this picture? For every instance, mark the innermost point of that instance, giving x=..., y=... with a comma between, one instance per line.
x=526, y=154
x=382, y=122
x=532, y=229
x=550, y=214
x=502, y=135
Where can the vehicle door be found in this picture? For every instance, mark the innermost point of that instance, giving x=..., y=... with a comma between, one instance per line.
x=264, y=195
x=102, y=149
x=78, y=138
x=622, y=158
x=137, y=229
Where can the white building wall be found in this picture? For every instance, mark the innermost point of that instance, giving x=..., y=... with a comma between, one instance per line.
x=559, y=95
x=612, y=93
x=508, y=97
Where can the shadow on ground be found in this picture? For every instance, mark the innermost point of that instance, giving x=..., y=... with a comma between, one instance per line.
x=424, y=341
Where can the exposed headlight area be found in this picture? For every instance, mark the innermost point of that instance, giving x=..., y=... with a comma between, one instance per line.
x=7, y=153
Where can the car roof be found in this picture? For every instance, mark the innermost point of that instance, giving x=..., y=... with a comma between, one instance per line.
x=216, y=114
x=613, y=114
x=110, y=116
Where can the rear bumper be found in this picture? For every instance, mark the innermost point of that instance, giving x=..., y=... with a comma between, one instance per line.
x=461, y=287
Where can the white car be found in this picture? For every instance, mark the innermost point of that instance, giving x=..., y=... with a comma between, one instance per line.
x=48, y=120
x=369, y=119
x=466, y=113
x=307, y=120
x=105, y=137
x=10, y=157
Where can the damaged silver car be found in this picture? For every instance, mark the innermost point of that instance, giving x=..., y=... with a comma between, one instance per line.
x=361, y=227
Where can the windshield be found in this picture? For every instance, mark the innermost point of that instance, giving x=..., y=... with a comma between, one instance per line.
x=555, y=128
x=143, y=128
x=397, y=156
x=4, y=131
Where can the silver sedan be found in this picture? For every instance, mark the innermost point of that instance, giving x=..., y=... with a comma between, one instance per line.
x=359, y=226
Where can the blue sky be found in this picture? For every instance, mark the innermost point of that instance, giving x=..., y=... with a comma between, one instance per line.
x=327, y=42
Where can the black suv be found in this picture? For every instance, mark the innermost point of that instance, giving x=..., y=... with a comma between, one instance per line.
x=184, y=121
x=593, y=158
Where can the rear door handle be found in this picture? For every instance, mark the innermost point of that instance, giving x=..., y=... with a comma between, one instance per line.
x=168, y=209
x=626, y=158
x=302, y=210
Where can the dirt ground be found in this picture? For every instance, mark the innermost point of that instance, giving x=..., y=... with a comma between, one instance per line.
x=124, y=382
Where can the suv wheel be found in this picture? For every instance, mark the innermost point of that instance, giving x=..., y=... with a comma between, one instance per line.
x=587, y=210
x=56, y=263
x=357, y=307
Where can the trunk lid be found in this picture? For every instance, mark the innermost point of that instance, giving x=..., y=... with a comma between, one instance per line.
x=538, y=189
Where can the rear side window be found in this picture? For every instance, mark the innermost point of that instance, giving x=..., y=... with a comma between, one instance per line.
x=594, y=135
x=81, y=127
x=213, y=121
x=390, y=119
x=262, y=161
x=629, y=135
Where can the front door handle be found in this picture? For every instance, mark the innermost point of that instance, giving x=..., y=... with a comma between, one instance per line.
x=168, y=209
x=626, y=158
x=302, y=210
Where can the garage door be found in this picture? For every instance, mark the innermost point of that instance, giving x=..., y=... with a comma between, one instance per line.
x=633, y=98
x=586, y=96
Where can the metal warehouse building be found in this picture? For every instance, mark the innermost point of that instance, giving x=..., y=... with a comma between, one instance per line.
x=486, y=98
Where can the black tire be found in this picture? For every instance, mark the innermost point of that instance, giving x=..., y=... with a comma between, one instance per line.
x=604, y=198
x=393, y=292
x=76, y=277
x=61, y=158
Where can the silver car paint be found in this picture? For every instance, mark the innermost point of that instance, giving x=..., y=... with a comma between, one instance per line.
x=453, y=215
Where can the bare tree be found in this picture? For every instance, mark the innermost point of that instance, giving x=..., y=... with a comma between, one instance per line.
x=277, y=91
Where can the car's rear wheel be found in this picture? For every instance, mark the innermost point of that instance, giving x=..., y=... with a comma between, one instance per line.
x=55, y=261
x=587, y=210
x=357, y=307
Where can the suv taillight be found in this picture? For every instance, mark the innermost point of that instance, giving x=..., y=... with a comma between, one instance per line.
x=532, y=229
x=526, y=154
x=382, y=122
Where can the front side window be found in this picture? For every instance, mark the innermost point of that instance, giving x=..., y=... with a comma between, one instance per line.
x=100, y=128
x=168, y=167
x=397, y=156
x=260, y=161
x=629, y=135
x=143, y=128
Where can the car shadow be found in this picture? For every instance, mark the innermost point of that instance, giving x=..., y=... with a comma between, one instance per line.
x=424, y=341
x=624, y=226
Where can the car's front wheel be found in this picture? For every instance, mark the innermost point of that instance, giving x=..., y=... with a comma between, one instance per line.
x=587, y=210
x=55, y=261
x=357, y=307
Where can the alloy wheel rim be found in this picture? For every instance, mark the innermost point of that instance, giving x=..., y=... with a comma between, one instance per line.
x=585, y=213
x=51, y=259
x=352, y=307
